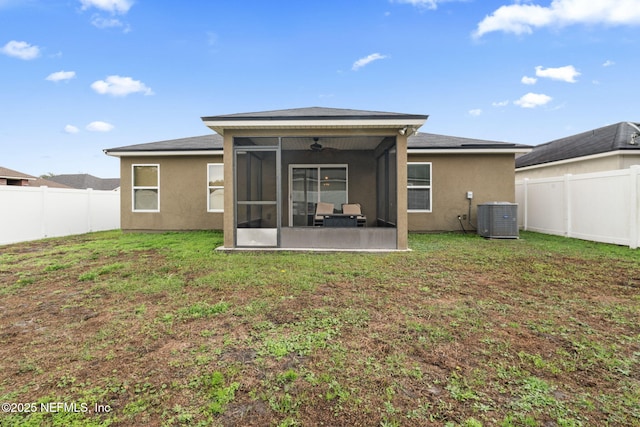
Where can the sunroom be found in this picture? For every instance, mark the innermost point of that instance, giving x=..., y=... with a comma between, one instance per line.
x=315, y=178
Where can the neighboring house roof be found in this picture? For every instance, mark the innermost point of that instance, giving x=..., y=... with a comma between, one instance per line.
x=84, y=181
x=616, y=137
x=213, y=143
x=41, y=182
x=31, y=180
x=12, y=174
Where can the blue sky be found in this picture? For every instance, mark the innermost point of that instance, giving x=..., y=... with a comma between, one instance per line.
x=78, y=76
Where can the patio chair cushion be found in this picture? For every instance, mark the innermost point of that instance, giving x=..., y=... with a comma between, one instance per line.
x=356, y=210
x=322, y=209
x=351, y=209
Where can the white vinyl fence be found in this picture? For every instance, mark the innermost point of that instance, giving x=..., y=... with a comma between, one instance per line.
x=601, y=207
x=31, y=213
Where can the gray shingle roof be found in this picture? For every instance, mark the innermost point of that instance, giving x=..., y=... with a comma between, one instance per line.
x=316, y=113
x=423, y=140
x=212, y=142
x=608, y=138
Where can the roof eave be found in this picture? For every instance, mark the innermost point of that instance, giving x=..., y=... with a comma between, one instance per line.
x=494, y=150
x=163, y=153
x=220, y=125
x=25, y=178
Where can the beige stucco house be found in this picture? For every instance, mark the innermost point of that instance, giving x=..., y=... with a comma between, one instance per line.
x=261, y=178
x=607, y=148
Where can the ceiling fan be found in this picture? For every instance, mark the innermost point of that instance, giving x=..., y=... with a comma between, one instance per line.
x=316, y=146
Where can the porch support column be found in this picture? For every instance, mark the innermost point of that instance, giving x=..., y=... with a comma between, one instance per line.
x=229, y=190
x=401, y=192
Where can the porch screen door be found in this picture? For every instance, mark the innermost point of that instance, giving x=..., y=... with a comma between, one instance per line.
x=310, y=184
x=257, y=207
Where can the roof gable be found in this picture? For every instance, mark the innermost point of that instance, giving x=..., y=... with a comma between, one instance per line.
x=619, y=136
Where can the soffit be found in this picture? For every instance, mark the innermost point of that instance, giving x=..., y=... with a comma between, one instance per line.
x=344, y=143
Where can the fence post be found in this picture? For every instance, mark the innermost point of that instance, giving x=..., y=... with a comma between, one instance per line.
x=43, y=218
x=566, y=208
x=89, y=211
x=525, y=208
x=634, y=215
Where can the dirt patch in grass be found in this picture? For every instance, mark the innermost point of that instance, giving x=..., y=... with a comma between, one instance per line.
x=162, y=330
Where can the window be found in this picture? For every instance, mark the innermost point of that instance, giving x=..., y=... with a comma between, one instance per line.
x=419, y=186
x=215, y=193
x=146, y=188
x=310, y=184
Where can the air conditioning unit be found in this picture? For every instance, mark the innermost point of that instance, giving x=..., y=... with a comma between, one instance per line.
x=498, y=220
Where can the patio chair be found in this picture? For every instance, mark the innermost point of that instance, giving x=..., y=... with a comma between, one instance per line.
x=355, y=209
x=322, y=209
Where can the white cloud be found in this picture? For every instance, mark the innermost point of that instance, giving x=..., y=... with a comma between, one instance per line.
x=567, y=73
x=522, y=18
x=533, y=100
x=500, y=103
x=528, y=80
x=61, y=75
x=367, y=60
x=22, y=50
x=475, y=112
x=71, y=129
x=428, y=4
x=608, y=63
x=120, y=86
x=99, y=126
x=100, y=22
x=113, y=6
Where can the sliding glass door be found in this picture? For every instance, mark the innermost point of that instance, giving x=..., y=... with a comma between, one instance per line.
x=310, y=184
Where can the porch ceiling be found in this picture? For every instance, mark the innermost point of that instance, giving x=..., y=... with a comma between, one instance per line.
x=333, y=143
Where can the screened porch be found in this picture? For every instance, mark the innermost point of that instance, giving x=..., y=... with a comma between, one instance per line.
x=281, y=182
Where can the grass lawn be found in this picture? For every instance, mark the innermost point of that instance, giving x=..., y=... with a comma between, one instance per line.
x=160, y=329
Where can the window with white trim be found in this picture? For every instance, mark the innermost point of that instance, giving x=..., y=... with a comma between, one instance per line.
x=146, y=188
x=215, y=183
x=419, y=186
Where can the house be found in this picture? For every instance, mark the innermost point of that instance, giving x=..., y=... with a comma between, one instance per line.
x=85, y=180
x=261, y=177
x=12, y=177
x=611, y=147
